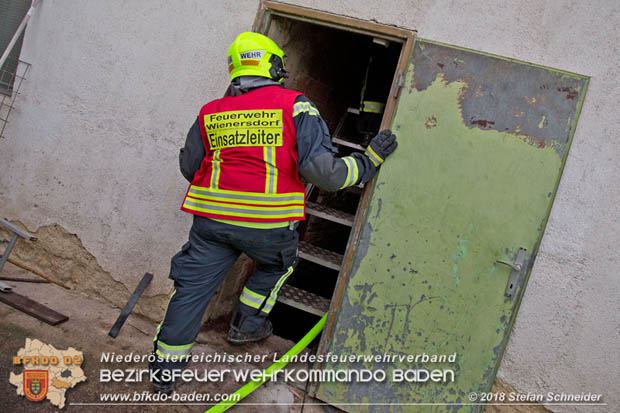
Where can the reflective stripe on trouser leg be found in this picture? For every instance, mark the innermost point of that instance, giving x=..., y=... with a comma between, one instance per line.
x=164, y=350
x=251, y=298
x=197, y=270
x=162, y=320
x=275, y=252
x=167, y=351
x=273, y=296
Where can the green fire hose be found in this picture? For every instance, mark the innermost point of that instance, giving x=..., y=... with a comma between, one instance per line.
x=253, y=385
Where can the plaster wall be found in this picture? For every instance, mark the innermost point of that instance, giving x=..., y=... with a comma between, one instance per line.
x=92, y=146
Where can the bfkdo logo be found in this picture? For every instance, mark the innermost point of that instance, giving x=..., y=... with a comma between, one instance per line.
x=36, y=384
x=48, y=373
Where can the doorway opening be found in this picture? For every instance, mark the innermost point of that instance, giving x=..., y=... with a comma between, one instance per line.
x=352, y=71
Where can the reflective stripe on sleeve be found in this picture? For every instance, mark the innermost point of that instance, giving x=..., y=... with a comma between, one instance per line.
x=304, y=107
x=352, y=171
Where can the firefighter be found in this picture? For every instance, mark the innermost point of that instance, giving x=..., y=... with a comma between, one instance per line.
x=243, y=157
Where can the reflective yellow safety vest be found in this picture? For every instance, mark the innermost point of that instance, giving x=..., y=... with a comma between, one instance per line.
x=249, y=172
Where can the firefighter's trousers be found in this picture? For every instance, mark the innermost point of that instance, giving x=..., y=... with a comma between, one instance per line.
x=201, y=265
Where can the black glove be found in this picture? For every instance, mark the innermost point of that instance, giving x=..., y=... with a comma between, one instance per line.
x=381, y=146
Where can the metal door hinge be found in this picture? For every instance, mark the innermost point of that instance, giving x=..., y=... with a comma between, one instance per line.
x=398, y=85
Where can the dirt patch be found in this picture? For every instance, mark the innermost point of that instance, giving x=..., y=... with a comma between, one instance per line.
x=61, y=255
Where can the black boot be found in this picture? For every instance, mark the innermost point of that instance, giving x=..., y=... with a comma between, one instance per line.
x=159, y=384
x=157, y=378
x=236, y=336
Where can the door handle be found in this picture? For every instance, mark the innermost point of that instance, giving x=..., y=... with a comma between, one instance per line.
x=517, y=268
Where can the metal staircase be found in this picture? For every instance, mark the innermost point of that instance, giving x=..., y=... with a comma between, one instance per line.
x=306, y=300
x=320, y=256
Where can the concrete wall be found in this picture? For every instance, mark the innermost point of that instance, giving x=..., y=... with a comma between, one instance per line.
x=114, y=86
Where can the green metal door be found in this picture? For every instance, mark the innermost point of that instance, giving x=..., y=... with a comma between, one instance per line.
x=482, y=144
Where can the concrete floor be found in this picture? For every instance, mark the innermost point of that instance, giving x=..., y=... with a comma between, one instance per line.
x=86, y=330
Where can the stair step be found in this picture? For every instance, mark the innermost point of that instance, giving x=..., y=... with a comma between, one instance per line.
x=303, y=300
x=329, y=214
x=320, y=256
x=349, y=144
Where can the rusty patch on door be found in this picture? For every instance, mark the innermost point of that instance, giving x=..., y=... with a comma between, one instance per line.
x=528, y=101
